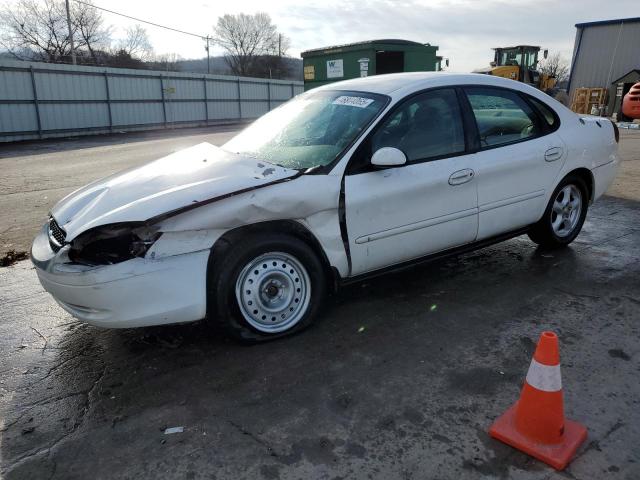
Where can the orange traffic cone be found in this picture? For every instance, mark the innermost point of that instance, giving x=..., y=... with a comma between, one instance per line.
x=535, y=424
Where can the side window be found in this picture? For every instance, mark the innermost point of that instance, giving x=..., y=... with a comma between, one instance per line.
x=549, y=117
x=425, y=126
x=502, y=116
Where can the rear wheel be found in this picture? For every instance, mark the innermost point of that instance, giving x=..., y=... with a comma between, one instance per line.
x=564, y=215
x=267, y=286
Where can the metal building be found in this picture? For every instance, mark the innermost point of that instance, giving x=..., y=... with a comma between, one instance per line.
x=604, y=52
x=373, y=57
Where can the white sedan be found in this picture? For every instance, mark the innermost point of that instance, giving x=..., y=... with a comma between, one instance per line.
x=342, y=182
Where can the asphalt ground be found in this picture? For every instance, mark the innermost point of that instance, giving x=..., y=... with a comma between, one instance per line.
x=400, y=378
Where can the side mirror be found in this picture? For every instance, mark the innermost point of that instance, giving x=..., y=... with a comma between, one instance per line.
x=388, y=157
x=545, y=54
x=446, y=62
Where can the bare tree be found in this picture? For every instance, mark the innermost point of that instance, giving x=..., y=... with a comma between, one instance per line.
x=166, y=61
x=245, y=38
x=136, y=43
x=37, y=30
x=556, y=66
x=91, y=34
x=32, y=29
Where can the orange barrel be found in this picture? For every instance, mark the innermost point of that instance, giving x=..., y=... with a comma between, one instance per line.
x=631, y=102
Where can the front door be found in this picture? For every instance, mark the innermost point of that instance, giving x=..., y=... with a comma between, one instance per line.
x=428, y=205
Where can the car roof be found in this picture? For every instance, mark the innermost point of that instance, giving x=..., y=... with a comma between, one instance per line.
x=389, y=83
x=399, y=85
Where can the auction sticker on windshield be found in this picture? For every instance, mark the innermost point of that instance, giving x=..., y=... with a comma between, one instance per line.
x=359, y=102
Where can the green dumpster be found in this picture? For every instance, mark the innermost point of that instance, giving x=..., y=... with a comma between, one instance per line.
x=373, y=57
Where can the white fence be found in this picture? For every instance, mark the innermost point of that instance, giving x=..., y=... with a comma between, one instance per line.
x=42, y=100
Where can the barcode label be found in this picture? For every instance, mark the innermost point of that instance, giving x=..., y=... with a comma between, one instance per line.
x=359, y=102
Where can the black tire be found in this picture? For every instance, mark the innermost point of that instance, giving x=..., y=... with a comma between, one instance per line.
x=543, y=233
x=226, y=267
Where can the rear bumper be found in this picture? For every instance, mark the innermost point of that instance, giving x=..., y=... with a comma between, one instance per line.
x=603, y=176
x=138, y=292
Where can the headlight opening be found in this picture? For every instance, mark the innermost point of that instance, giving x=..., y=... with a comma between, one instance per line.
x=115, y=243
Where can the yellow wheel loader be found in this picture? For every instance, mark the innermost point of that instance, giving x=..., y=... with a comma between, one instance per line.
x=520, y=63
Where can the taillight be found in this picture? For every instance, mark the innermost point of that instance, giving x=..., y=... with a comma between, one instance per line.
x=616, y=132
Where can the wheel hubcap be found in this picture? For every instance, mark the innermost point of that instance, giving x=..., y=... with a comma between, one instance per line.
x=273, y=292
x=566, y=211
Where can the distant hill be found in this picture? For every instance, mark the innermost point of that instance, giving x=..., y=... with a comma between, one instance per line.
x=293, y=67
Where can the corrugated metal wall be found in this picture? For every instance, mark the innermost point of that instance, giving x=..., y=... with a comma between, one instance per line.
x=606, y=53
x=42, y=100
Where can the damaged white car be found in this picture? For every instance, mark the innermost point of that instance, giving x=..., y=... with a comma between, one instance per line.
x=342, y=182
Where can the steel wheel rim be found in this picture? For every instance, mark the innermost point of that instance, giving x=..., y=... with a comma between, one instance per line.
x=566, y=210
x=273, y=292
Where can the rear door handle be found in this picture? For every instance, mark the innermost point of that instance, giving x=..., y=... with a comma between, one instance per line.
x=553, y=154
x=461, y=176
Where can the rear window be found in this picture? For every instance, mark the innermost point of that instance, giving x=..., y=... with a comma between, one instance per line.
x=550, y=118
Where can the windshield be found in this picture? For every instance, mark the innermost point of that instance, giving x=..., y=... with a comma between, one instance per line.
x=309, y=131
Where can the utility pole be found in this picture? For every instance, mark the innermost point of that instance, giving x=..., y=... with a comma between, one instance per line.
x=73, y=50
x=207, y=49
x=279, y=44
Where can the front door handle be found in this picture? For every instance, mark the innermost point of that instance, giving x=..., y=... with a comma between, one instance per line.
x=461, y=176
x=553, y=154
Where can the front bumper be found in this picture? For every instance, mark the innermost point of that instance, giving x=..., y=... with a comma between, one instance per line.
x=138, y=292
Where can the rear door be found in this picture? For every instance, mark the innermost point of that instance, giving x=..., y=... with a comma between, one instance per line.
x=518, y=162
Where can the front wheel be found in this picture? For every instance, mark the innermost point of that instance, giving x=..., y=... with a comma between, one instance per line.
x=267, y=286
x=564, y=215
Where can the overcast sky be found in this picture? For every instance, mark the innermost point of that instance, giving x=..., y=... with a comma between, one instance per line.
x=465, y=30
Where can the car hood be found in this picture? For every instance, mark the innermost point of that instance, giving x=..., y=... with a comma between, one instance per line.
x=182, y=180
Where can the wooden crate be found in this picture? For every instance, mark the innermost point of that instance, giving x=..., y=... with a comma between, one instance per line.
x=580, y=100
x=585, y=98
